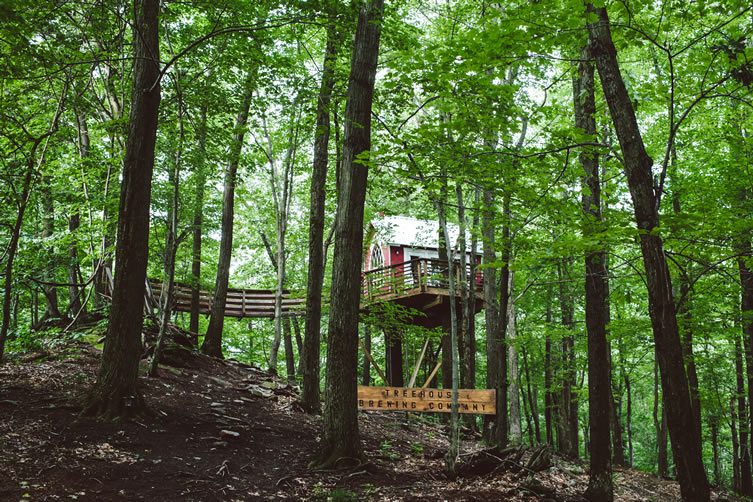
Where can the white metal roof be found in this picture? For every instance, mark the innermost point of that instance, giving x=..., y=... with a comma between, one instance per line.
x=412, y=232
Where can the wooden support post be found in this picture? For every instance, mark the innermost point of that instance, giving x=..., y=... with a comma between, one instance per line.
x=418, y=364
x=433, y=372
x=371, y=359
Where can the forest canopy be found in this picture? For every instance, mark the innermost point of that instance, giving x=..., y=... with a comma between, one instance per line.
x=592, y=161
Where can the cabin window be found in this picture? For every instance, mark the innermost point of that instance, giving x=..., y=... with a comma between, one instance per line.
x=377, y=258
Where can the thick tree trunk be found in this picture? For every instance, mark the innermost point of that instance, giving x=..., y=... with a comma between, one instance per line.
x=198, y=222
x=341, y=437
x=686, y=443
x=213, y=340
x=310, y=398
x=116, y=393
x=597, y=310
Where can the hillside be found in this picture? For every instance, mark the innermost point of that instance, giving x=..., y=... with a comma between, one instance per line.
x=221, y=430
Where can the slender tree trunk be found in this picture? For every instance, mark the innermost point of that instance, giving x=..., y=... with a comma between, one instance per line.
x=745, y=481
x=597, y=311
x=462, y=282
x=171, y=244
x=213, y=339
x=454, y=448
x=549, y=400
x=736, y=460
x=15, y=236
x=48, y=228
x=516, y=434
x=341, y=438
x=76, y=294
x=532, y=397
x=366, y=368
x=393, y=359
x=630, y=419
x=198, y=222
x=714, y=433
x=568, y=417
x=289, y=355
x=686, y=443
x=662, y=467
x=503, y=288
x=310, y=398
x=116, y=393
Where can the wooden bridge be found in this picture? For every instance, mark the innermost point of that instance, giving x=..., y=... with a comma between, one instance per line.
x=421, y=284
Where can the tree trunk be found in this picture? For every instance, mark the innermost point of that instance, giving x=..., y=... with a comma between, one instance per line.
x=310, y=398
x=289, y=355
x=532, y=397
x=454, y=448
x=549, y=400
x=366, y=368
x=597, y=312
x=745, y=485
x=736, y=460
x=686, y=443
x=76, y=294
x=503, y=289
x=660, y=426
x=213, y=339
x=393, y=360
x=198, y=222
x=516, y=434
x=171, y=244
x=116, y=393
x=568, y=417
x=341, y=437
x=15, y=236
x=48, y=228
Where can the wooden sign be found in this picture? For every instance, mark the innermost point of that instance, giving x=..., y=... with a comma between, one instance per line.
x=420, y=400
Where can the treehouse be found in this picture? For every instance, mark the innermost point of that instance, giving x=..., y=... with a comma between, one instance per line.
x=402, y=266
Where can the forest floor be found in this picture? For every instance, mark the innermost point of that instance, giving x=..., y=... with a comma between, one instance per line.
x=220, y=430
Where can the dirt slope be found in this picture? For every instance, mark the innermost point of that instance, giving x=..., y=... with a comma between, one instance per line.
x=226, y=431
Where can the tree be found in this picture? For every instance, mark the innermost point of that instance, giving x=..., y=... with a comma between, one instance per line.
x=686, y=443
x=312, y=330
x=212, y=344
x=597, y=311
x=341, y=437
x=115, y=393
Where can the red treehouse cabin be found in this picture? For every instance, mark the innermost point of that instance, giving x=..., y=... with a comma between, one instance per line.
x=402, y=266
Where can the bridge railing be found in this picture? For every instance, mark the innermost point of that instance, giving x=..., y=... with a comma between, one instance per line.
x=417, y=275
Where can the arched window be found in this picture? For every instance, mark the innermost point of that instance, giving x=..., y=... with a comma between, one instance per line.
x=377, y=258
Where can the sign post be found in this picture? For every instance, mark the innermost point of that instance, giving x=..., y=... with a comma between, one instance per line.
x=425, y=400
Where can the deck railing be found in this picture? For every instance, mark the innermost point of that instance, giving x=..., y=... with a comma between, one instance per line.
x=417, y=275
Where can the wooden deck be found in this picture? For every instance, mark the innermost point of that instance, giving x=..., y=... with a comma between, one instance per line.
x=420, y=284
x=240, y=303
